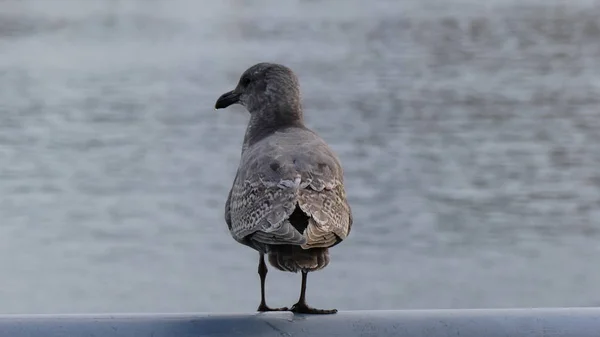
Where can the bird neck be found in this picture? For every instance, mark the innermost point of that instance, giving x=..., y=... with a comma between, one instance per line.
x=266, y=122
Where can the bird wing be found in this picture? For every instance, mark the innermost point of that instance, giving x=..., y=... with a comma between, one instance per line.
x=228, y=208
x=287, y=169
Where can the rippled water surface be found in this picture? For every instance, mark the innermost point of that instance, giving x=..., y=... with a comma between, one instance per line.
x=469, y=132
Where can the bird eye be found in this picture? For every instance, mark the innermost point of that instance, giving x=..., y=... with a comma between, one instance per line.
x=245, y=81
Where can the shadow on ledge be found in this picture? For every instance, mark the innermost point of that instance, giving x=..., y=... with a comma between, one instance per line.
x=555, y=322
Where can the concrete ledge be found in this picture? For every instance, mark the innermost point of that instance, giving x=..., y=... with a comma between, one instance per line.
x=555, y=322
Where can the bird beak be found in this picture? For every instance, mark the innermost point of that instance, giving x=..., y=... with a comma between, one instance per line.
x=227, y=99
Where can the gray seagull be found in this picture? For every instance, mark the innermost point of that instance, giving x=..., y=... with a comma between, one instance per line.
x=288, y=199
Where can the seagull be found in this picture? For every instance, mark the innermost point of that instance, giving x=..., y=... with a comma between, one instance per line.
x=288, y=199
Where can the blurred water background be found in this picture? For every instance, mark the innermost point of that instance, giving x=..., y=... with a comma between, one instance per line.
x=469, y=133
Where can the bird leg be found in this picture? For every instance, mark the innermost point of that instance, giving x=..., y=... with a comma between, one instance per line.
x=262, y=272
x=302, y=308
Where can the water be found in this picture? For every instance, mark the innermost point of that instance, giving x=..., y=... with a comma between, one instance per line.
x=469, y=134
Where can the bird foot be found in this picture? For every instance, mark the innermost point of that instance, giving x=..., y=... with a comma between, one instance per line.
x=265, y=308
x=303, y=308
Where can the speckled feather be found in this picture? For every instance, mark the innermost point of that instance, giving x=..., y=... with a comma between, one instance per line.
x=293, y=166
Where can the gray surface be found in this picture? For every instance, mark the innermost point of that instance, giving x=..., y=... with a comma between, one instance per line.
x=573, y=322
x=468, y=130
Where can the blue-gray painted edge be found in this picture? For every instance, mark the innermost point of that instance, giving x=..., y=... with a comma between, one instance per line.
x=535, y=322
